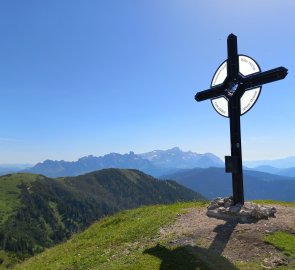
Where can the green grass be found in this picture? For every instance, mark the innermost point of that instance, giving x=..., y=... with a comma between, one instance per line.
x=9, y=193
x=289, y=204
x=283, y=241
x=130, y=240
x=8, y=259
x=122, y=241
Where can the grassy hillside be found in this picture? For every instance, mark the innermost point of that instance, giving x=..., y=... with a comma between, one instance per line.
x=10, y=193
x=38, y=212
x=140, y=239
x=116, y=242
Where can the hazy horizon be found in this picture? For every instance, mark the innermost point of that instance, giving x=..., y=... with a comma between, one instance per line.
x=28, y=164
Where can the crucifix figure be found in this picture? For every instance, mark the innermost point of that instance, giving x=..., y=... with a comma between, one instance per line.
x=234, y=90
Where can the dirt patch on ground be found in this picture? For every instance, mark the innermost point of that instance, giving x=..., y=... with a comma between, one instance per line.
x=235, y=241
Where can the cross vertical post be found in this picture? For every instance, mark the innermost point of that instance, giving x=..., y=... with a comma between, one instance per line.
x=234, y=111
x=236, y=150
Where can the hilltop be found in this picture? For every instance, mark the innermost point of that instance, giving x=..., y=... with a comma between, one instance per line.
x=38, y=212
x=176, y=237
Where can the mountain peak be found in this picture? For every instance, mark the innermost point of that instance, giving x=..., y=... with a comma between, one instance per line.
x=86, y=157
x=176, y=158
x=175, y=149
x=156, y=163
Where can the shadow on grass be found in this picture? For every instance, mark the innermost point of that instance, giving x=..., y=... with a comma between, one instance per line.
x=189, y=258
x=197, y=258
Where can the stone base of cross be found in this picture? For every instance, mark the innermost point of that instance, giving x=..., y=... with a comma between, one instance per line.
x=227, y=96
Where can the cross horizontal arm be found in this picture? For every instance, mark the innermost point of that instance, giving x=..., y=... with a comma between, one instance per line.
x=214, y=92
x=261, y=78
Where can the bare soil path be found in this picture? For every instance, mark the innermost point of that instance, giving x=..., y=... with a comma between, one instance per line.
x=234, y=241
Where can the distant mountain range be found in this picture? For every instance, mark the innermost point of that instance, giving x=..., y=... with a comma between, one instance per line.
x=270, y=169
x=155, y=163
x=37, y=212
x=282, y=163
x=11, y=168
x=282, y=166
x=214, y=182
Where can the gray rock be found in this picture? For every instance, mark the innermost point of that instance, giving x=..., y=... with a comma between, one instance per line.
x=220, y=202
x=224, y=208
x=234, y=209
x=228, y=203
x=212, y=206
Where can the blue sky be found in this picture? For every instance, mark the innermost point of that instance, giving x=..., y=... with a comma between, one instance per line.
x=93, y=77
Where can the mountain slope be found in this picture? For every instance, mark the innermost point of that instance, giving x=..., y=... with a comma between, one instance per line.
x=266, y=168
x=287, y=172
x=172, y=237
x=10, y=192
x=116, y=242
x=41, y=211
x=214, y=182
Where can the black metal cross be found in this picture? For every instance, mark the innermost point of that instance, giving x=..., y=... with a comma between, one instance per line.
x=233, y=88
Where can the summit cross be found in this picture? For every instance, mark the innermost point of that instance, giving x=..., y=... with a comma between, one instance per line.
x=230, y=87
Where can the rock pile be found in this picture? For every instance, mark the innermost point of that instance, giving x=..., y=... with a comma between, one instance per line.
x=224, y=208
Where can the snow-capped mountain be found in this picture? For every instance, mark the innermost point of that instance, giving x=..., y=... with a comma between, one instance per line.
x=176, y=158
x=156, y=163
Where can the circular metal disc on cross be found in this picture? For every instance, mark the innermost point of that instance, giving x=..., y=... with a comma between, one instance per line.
x=247, y=66
x=235, y=88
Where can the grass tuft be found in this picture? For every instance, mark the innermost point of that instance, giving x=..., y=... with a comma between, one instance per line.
x=289, y=204
x=283, y=241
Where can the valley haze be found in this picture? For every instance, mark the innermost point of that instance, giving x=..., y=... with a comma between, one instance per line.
x=156, y=163
x=202, y=173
